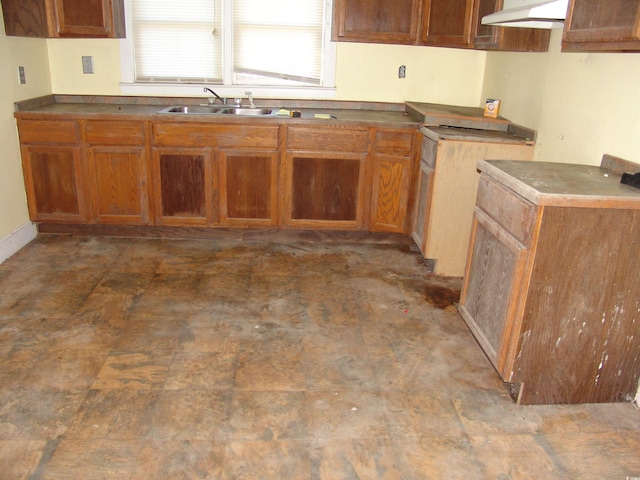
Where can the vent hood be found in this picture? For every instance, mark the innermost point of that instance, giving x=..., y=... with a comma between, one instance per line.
x=529, y=14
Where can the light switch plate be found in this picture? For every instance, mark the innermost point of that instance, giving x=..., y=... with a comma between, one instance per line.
x=21, y=76
x=87, y=64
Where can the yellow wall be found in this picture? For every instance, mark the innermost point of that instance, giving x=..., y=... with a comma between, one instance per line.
x=363, y=71
x=435, y=75
x=582, y=104
x=32, y=54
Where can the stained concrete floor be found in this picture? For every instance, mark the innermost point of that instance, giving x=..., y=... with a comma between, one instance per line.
x=284, y=359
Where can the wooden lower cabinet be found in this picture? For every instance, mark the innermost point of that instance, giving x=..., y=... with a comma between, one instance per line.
x=116, y=171
x=54, y=183
x=248, y=188
x=118, y=190
x=184, y=187
x=550, y=291
x=326, y=191
x=447, y=187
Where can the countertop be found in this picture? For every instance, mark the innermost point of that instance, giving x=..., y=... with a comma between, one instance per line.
x=435, y=114
x=514, y=134
x=149, y=108
x=563, y=184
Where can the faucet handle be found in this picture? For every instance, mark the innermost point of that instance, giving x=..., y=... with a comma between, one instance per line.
x=250, y=95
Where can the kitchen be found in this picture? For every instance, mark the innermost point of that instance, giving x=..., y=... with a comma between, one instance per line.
x=581, y=104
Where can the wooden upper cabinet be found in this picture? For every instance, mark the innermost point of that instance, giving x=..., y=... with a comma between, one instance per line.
x=487, y=37
x=593, y=25
x=447, y=23
x=64, y=18
x=376, y=21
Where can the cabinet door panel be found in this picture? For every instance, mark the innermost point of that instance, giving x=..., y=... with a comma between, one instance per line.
x=378, y=21
x=488, y=302
x=424, y=192
x=594, y=25
x=447, y=23
x=83, y=17
x=392, y=177
x=248, y=190
x=120, y=185
x=54, y=183
x=324, y=190
x=182, y=187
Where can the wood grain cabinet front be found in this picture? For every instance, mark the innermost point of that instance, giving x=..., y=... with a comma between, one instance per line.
x=447, y=23
x=555, y=308
x=392, y=174
x=325, y=175
x=594, y=26
x=64, y=18
x=117, y=173
x=376, y=21
x=53, y=171
x=489, y=37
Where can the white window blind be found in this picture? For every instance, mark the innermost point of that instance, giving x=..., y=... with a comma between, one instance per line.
x=278, y=39
x=177, y=41
x=240, y=42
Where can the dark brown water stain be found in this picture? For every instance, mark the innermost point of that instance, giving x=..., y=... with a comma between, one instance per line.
x=441, y=296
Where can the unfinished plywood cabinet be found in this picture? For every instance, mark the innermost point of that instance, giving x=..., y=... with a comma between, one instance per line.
x=64, y=18
x=446, y=189
x=551, y=290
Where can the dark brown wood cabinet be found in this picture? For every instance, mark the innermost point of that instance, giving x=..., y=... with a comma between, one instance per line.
x=593, y=25
x=325, y=175
x=53, y=172
x=248, y=188
x=488, y=37
x=554, y=309
x=376, y=21
x=448, y=23
x=64, y=18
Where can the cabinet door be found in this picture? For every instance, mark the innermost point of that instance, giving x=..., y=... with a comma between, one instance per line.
x=420, y=221
x=325, y=190
x=489, y=297
x=90, y=18
x=487, y=37
x=376, y=21
x=184, y=186
x=248, y=188
x=593, y=25
x=119, y=188
x=447, y=23
x=54, y=182
x=390, y=193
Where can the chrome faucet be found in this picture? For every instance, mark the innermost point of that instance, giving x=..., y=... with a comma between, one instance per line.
x=213, y=100
x=250, y=95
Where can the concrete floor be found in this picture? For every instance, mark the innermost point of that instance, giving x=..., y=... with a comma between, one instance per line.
x=288, y=359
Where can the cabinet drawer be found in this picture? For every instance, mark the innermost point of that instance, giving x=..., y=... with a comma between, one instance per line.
x=216, y=136
x=49, y=131
x=509, y=209
x=114, y=133
x=327, y=139
x=397, y=142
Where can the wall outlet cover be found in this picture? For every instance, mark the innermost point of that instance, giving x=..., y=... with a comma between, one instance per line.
x=87, y=64
x=21, y=76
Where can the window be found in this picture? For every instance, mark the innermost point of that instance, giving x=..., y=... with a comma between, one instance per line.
x=232, y=44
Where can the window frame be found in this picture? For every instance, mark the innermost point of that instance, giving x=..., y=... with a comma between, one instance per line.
x=326, y=90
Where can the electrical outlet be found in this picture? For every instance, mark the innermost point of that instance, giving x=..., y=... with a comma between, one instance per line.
x=87, y=64
x=21, y=76
x=402, y=71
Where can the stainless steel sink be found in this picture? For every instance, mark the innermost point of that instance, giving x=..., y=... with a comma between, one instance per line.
x=247, y=111
x=211, y=110
x=191, y=109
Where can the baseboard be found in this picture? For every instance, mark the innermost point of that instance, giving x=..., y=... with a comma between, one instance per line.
x=16, y=240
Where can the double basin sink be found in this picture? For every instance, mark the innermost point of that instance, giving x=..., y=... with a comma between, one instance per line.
x=214, y=110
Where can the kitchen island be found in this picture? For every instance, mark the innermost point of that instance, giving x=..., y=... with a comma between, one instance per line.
x=551, y=289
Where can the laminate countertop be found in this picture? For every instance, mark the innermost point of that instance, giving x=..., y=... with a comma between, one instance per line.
x=564, y=184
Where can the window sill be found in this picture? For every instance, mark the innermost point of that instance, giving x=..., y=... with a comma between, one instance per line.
x=195, y=90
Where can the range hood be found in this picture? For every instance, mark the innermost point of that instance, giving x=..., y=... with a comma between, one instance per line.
x=529, y=14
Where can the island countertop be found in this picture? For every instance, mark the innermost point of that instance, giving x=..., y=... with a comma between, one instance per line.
x=563, y=184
